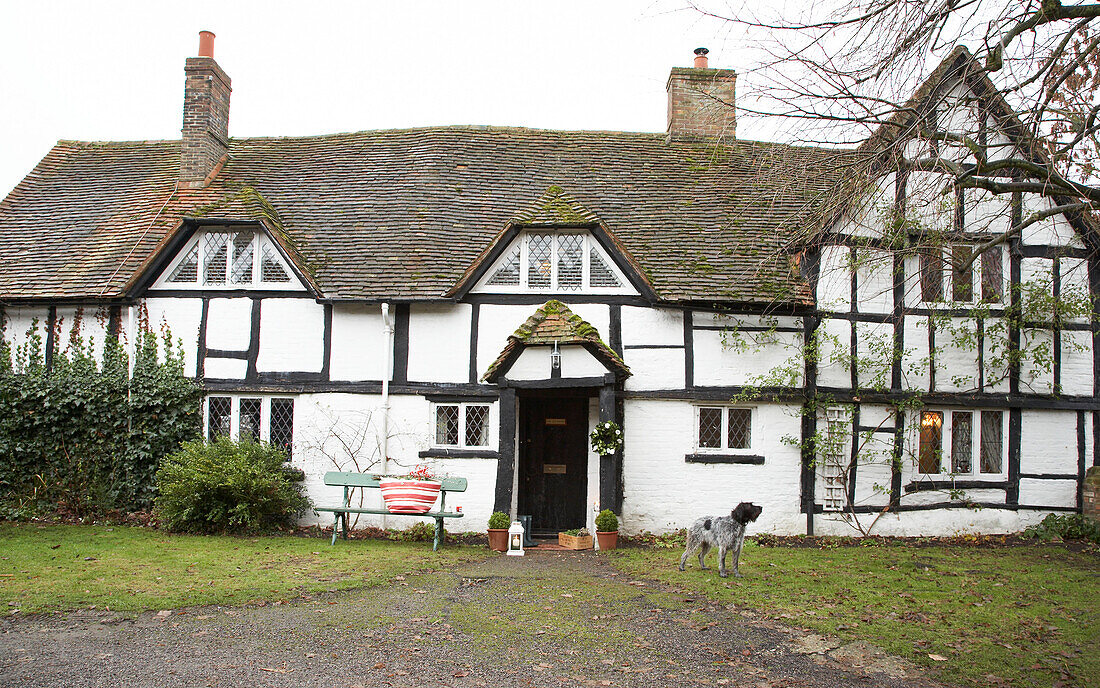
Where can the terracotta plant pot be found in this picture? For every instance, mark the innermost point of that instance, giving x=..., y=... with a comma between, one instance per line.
x=409, y=496
x=608, y=540
x=498, y=539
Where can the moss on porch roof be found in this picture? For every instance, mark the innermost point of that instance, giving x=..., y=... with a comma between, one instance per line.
x=554, y=322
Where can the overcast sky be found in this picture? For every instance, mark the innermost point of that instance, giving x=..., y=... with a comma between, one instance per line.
x=114, y=70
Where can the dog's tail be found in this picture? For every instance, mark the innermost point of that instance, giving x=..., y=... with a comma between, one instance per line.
x=706, y=524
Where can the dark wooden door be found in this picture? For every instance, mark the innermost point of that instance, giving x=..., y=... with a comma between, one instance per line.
x=553, y=462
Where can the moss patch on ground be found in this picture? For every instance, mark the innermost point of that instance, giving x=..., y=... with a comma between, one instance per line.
x=124, y=569
x=1021, y=615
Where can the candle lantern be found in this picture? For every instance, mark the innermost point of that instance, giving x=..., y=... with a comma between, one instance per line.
x=515, y=539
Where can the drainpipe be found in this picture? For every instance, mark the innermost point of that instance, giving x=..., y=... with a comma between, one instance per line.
x=387, y=328
x=131, y=347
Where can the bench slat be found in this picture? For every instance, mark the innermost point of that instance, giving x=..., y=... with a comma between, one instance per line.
x=383, y=512
x=348, y=479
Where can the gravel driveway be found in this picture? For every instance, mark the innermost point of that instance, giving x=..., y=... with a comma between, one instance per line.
x=547, y=619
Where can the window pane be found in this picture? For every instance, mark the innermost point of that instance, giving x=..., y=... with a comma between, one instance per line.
x=539, y=247
x=282, y=424
x=931, y=274
x=218, y=417
x=740, y=428
x=250, y=419
x=446, y=425
x=508, y=272
x=570, y=261
x=962, y=446
x=215, y=250
x=188, y=269
x=962, y=281
x=931, y=434
x=243, y=249
x=991, y=444
x=993, y=275
x=271, y=270
x=710, y=428
x=477, y=425
x=599, y=274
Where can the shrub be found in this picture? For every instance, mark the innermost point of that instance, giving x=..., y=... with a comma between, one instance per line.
x=227, y=487
x=607, y=521
x=1065, y=526
x=419, y=532
x=499, y=520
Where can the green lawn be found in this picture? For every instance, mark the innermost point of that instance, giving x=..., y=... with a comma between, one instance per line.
x=44, y=568
x=1026, y=615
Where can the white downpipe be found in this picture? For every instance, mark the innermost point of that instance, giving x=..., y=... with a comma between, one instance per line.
x=131, y=344
x=387, y=373
x=387, y=328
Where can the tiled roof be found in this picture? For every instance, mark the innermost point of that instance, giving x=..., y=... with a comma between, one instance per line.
x=402, y=214
x=554, y=322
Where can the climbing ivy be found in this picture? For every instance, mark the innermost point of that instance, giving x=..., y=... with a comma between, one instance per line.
x=86, y=436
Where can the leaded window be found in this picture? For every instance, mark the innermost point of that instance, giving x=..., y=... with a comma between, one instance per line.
x=962, y=449
x=931, y=442
x=720, y=427
x=461, y=425
x=940, y=273
x=963, y=436
x=261, y=419
x=240, y=258
x=555, y=261
x=992, y=443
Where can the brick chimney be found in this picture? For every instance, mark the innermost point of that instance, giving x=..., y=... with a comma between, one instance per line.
x=700, y=100
x=205, y=115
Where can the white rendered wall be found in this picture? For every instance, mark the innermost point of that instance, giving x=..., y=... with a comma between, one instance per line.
x=292, y=336
x=91, y=328
x=719, y=365
x=20, y=325
x=654, y=368
x=495, y=325
x=534, y=363
x=320, y=417
x=182, y=317
x=834, y=364
x=663, y=492
x=439, y=342
x=834, y=283
x=229, y=324
x=661, y=326
x=358, y=342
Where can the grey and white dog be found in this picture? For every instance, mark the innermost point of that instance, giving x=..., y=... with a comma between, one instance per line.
x=727, y=533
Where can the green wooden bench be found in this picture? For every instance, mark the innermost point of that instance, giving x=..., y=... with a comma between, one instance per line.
x=350, y=481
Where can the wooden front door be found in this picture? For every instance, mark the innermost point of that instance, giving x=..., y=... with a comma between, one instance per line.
x=553, y=476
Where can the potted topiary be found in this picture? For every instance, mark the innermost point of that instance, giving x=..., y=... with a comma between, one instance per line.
x=607, y=529
x=498, y=531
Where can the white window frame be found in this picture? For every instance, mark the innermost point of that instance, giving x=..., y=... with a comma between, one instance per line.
x=522, y=241
x=725, y=449
x=235, y=416
x=259, y=240
x=490, y=420
x=946, y=439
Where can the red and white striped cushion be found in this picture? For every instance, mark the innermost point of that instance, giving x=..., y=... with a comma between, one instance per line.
x=409, y=496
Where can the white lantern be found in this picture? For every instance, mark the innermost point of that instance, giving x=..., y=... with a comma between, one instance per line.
x=515, y=539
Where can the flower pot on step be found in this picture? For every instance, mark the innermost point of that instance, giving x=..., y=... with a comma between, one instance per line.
x=498, y=539
x=609, y=540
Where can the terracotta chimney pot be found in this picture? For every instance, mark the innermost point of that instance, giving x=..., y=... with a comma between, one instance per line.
x=700, y=57
x=206, y=44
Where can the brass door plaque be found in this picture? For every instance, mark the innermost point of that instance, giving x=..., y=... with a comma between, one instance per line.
x=556, y=468
x=556, y=421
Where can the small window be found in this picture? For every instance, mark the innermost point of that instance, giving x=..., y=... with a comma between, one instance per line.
x=555, y=261
x=720, y=428
x=234, y=259
x=936, y=273
x=262, y=419
x=219, y=418
x=931, y=442
x=961, y=441
x=461, y=425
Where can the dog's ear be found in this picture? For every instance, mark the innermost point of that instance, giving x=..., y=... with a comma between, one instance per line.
x=741, y=513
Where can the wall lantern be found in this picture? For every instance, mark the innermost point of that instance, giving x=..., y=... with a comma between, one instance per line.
x=555, y=358
x=515, y=539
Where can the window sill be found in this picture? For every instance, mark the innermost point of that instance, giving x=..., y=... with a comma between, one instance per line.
x=454, y=453
x=751, y=459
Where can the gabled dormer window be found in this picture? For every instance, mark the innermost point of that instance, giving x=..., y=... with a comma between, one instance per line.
x=229, y=259
x=555, y=262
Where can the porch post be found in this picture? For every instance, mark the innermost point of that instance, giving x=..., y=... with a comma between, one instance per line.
x=610, y=494
x=506, y=464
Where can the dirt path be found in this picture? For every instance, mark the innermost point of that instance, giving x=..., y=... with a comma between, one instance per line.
x=548, y=619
